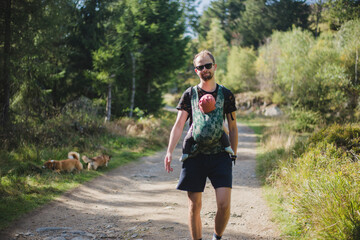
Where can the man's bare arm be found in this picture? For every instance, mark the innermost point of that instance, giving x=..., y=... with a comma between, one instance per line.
x=175, y=135
x=233, y=131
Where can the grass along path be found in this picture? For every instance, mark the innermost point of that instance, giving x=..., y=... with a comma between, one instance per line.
x=139, y=201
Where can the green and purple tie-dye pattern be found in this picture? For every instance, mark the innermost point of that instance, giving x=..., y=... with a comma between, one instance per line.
x=207, y=128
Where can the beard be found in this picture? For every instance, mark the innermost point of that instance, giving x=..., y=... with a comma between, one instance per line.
x=206, y=76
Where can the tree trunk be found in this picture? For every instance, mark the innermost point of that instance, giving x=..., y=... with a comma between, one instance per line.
x=108, y=104
x=356, y=65
x=318, y=10
x=5, y=86
x=133, y=89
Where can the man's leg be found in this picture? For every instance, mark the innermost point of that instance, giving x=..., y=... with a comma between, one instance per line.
x=194, y=214
x=223, y=199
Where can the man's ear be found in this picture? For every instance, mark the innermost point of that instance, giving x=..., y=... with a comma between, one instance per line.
x=215, y=66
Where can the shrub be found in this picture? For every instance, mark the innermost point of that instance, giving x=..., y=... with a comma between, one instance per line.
x=323, y=183
x=302, y=120
x=345, y=137
x=278, y=98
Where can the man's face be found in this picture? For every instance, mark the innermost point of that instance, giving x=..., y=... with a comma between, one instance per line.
x=202, y=62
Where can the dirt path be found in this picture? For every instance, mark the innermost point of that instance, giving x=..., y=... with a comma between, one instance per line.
x=139, y=201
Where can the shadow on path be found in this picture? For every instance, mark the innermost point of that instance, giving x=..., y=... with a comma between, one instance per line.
x=139, y=201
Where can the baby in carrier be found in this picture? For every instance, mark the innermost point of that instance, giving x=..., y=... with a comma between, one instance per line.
x=206, y=105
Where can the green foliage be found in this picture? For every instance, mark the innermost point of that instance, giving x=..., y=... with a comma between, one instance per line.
x=258, y=19
x=24, y=185
x=268, y=162
x=302, y=120
x=137, y=113
x=164, y=52
x=134, y=48
x=294, y=64
x=255, y=24
x=341, y=11
x=324, y=178
x=77, y=119
x=61, y=50
x=286, y=13
x=278, y=98
x=240, y=75
x=319, y=181
x=215, y=42
x=293, y=61
x=327, y=90
x=267, y=62
x=84, y=38
x=249, y=23
x=348, y=38
x=228, y=13
x=38, y=56
x=345, y=137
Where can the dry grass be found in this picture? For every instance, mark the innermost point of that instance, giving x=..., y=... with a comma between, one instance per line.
x=317, y=180
x=275, y=137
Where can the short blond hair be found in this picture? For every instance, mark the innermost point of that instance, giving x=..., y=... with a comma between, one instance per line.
x=204, y=52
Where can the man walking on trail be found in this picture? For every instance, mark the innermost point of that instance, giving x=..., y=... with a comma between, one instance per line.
x=208, y=158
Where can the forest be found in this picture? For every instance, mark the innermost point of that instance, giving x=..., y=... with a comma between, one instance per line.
x=72, y=68
x=131, y=53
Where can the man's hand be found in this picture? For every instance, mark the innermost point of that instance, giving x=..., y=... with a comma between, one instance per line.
x=233, y=157
x=167, y=162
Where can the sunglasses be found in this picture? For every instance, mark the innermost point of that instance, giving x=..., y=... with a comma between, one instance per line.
x=207, y=66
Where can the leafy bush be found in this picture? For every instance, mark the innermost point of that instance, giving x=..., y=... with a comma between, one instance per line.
x=81, y=133
x=278, y=98
x=323, y=183
x=241, y=72
x=77, y=119
x=269, y=161
x=345, y=137
x=316, y=74
x=302, y=120
x=172, y=99
x=24, y=185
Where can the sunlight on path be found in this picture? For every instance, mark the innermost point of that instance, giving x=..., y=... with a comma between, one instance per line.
x=139, y=201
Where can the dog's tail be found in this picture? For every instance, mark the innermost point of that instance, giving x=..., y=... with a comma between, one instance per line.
x=86, y=159
x=73, y=155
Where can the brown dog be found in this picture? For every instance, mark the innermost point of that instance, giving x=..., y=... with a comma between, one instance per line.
x=69, y=165
x=95, y=162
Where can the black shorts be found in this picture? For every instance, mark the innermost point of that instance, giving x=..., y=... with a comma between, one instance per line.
x=195, y=170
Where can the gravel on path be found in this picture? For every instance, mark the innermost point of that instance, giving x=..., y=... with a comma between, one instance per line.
x=139, y=201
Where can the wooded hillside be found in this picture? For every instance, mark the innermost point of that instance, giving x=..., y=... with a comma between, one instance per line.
x=124, y=55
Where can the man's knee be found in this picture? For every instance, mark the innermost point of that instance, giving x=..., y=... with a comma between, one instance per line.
x=223, y=199
x=223, y=206
x=195, y=202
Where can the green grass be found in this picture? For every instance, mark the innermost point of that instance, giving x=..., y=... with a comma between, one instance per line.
x=282, y=211
x=257, y=124
x=24, y=185
x=267, y=163
x=21, y=194
x=312, y=185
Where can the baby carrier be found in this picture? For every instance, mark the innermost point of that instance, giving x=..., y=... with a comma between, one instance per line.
x=207, y=128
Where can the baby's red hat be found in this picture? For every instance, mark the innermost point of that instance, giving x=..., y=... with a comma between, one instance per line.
x=207, y=103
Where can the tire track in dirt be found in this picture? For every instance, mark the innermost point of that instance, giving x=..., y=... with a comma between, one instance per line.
x=139, y=201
